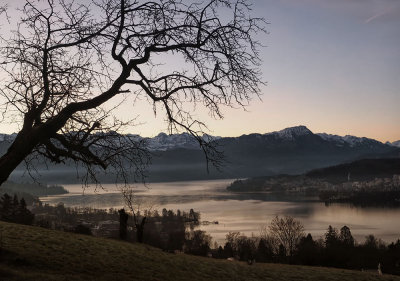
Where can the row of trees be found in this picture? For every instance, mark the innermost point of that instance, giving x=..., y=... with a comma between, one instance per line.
x=284, y=241
x=277, y=242
x=68, y=218
x=14, y=210
x=167, y=229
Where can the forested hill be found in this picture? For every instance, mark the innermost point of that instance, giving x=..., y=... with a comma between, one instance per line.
x=34, y=189
x=365, y=169
x=359, y=170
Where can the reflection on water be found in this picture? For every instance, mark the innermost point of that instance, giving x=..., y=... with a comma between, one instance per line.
x=243, y=212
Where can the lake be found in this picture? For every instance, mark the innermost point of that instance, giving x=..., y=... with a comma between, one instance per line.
x=241, y=212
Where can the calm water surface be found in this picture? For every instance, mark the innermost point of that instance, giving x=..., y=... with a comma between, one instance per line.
x=241, y=212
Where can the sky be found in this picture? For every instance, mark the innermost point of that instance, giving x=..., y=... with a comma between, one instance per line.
x=333, y=66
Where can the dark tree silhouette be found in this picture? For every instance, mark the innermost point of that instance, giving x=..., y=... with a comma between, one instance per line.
x=333, y=252
x=123, y=224
x=331, y=237
x=24, y=216
x=197, y=243
x=286, y=232
x=307, y=251
x=140, y=229
x=15, y=206
x=13, y=211
x=6, y=207
x=345, y=237
x=67, y=60
x=134, y=205
x=265, y=251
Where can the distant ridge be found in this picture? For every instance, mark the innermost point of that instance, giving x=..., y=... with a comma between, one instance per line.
x=292, y=150
x=395, y=143
x=360, y=170
x=165, y=141
x=291, y=132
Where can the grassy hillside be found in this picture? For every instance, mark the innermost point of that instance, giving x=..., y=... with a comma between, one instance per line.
x=31, y=253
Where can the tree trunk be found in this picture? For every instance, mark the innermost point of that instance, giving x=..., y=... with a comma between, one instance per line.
x=139, y=230
x=123, y=224
x=22, y=146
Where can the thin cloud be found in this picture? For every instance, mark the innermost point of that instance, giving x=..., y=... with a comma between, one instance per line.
x=391, y=13
x=378, y=15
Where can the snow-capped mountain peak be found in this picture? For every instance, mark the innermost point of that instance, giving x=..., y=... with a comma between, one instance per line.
x=352, y=141
x=395, y=143
x=164, y=142
x=292, y=132
x=329, y=137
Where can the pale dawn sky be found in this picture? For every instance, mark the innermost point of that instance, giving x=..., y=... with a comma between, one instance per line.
x=333, y=66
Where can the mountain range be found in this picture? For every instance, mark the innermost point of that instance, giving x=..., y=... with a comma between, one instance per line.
x=164, y=142
x=289, y=151
x=395, y=143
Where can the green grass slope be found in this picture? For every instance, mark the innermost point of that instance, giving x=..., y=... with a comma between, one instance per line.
x=31, y=253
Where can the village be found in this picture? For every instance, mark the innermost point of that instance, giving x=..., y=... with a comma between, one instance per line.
x=379, y=191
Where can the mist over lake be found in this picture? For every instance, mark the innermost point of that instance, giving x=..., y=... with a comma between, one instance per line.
x=243, y=212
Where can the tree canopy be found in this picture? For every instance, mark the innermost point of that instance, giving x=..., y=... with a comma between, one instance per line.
x=66, y=60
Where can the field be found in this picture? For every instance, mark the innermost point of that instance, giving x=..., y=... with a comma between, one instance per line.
x=32, y=253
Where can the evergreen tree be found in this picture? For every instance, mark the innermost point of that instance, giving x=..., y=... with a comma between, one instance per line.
x=345, y=237
x=198, y=243
x=6, y=205
x=331, y=237
x=123, y=224
x=24, y=216
x=307, y=251
x=15, y=201
x=14, y=209
x=333, y=254
x=264, y=251
x=228, y=250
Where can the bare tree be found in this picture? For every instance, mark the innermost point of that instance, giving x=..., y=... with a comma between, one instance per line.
x=138, y=209
x=67, y=60
x=287, y=232
x=3, y=9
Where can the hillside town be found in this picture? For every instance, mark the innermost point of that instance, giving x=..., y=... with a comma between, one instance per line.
x=378, y=191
